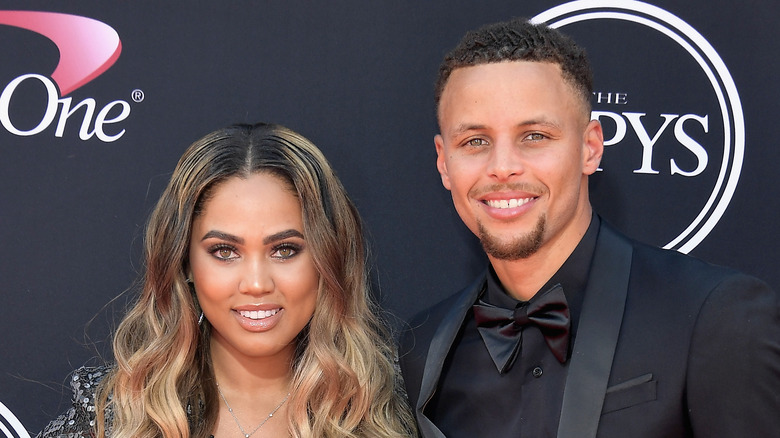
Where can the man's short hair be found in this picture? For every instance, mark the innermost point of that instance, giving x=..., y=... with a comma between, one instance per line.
x=520, y=40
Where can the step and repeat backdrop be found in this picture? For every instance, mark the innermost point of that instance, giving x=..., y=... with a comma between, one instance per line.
x=99, y=99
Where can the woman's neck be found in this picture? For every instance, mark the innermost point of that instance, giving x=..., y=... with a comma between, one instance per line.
x=237, y=372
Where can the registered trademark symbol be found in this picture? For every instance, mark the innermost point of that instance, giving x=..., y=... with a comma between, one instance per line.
x=137, y=95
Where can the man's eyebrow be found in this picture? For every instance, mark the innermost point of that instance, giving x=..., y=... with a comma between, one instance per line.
x=282, y=235
x=540, y=121
x=462, y=128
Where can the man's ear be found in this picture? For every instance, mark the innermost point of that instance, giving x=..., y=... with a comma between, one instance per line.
x=440, y=161
x=592, y=147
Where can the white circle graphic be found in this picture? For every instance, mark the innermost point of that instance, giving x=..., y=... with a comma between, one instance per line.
x=9, y=419
x=722, y=84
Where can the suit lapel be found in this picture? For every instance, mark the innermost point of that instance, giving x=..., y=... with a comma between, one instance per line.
x=597, y=335
x=438, y=351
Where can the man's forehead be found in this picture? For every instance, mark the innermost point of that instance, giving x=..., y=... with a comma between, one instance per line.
x=509, y=74
x=495, y=76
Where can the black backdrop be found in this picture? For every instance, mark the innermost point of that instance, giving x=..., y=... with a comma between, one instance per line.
x=356, y=78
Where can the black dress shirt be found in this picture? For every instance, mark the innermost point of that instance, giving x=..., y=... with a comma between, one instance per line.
x=474, y=400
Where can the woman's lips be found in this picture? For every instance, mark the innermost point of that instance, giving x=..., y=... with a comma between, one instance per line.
x=258, y=314
x=258, y=320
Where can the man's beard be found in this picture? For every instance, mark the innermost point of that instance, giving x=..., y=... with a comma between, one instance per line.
x=521, y=247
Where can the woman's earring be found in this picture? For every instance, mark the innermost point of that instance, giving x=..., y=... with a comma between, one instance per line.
x=192, y=284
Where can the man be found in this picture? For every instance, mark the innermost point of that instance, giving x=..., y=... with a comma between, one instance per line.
x=574, y=330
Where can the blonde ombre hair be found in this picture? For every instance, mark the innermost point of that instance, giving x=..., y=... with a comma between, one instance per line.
x=344, y=382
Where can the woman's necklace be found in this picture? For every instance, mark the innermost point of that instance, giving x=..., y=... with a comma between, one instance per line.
x=247, y=435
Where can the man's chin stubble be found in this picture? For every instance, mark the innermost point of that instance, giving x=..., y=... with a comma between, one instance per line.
x=521, y=247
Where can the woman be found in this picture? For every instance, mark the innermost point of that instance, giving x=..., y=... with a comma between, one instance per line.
x=254, y=318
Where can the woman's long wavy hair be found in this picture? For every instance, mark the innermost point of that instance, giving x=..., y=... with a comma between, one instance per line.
x=344, y=382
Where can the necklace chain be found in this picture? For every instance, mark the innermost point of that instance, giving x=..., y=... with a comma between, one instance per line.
x=247, y=435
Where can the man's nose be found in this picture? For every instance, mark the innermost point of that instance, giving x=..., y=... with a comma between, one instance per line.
x=504, y=160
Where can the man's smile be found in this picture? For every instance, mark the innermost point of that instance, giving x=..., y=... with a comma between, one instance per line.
x=506, y=203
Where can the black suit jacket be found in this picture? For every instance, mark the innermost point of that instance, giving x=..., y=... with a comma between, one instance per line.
x=667, y=346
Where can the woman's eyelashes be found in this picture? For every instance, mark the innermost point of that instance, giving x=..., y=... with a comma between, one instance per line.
x=286, y=250
x=282, y=251
x=223, y=252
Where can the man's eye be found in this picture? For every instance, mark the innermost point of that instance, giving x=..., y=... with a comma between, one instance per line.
x=536, y=136
x=477, y=142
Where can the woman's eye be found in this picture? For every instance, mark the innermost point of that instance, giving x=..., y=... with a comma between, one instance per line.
x=224, y=253
x=285, y=252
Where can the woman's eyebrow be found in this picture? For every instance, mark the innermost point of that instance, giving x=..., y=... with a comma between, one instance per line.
x=282, y=235
x=268, y=239
x=222, y=235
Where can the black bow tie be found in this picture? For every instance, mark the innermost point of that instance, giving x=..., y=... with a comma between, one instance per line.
x=502, y=329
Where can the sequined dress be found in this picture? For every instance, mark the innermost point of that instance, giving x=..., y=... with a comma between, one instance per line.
x=79, y=420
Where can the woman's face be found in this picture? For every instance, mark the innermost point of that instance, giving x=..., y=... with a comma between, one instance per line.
x=252, y=268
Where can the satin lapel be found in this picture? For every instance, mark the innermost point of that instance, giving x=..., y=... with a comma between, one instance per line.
x=597, y=335
x=437, y=353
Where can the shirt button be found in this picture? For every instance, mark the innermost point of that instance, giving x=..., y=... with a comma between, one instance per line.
x=537, y=372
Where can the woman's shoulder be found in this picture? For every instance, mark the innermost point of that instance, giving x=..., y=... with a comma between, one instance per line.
x=79, y=420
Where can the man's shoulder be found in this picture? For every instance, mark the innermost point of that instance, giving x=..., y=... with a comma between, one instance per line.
x=420, y=329
x=429, y=318
x=432, y=315
x=682, y=277
x=669, y=265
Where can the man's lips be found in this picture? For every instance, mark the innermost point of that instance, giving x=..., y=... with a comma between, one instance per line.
x=506, y=196
x=505, y=206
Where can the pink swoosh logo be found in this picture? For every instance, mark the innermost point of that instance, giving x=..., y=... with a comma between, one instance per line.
x=87, y=47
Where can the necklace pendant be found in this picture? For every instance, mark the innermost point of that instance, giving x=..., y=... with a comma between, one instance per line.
x=247, y=435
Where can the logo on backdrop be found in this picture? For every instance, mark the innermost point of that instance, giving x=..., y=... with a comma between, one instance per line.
x=87, y=49
x=674, y=130
x=10, y=425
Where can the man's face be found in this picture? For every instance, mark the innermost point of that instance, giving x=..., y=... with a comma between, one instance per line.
x=515, y=149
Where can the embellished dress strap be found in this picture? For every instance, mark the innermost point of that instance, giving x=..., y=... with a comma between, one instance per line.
x=79, y=420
